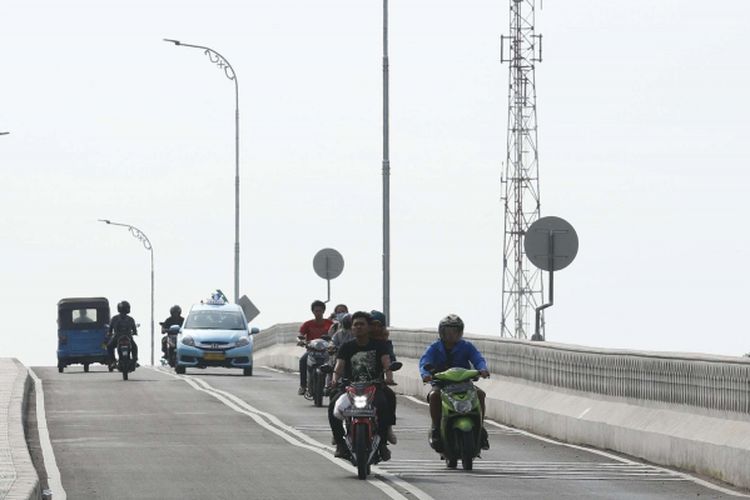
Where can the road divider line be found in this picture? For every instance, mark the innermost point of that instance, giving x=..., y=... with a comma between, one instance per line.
x=302, y=440
x=617, y=458
x=54, y=481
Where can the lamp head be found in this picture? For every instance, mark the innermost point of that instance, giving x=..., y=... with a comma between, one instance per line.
x=176, y=42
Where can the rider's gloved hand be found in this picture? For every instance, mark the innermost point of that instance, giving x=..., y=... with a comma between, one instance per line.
x=427, y=378
x=484, y=374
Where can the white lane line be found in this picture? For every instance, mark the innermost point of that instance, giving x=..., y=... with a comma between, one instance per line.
x=271, y=369
x=683, y=475
x=54, y=481
x=301, y=440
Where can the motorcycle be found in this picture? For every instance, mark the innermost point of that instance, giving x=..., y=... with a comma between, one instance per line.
x=172, y=333
x=461, y=421
x=361, y=422
x=125, y=361
x=317, y=357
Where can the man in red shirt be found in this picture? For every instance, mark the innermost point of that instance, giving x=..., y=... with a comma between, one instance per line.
x=311, y=330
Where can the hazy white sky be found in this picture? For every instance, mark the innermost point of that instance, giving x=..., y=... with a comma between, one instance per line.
x=643, y=112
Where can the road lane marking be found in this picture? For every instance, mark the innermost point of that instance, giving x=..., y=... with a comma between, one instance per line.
x=380, y=479
x=54, y=481
x=616, y=458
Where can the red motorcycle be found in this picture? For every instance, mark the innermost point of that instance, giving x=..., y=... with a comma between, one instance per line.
x=361, y=422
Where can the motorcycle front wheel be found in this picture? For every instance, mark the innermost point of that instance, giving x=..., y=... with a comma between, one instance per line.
x=318, y=388
x=360, y=450
x=467, y=450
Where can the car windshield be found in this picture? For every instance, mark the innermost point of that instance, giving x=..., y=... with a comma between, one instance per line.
x=215, y=320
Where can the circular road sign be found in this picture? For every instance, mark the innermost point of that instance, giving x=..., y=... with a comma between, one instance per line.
x=551, y=243
x=328, y=263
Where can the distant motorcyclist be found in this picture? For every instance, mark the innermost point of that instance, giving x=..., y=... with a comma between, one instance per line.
x=343, y=334
x=175, y=318
x=339, y=312
x=448, y=352
x=311, y=330
x=122, y=324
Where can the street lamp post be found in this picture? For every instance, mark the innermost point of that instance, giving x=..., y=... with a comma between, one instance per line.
x=141, y=236
x=386, y=178
x=222, y=63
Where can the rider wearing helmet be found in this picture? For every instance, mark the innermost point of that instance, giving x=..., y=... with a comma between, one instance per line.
x=175, y=318
x=448, y=352
x=122, y=324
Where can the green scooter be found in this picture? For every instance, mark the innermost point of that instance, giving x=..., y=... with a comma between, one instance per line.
x=461, y=422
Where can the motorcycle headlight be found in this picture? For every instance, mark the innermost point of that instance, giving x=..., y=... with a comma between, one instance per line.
x=188, y=340
x=462, y=406
x=242, y=341
x=360, y=401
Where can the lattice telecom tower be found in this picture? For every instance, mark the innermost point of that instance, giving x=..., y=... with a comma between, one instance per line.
x=522, y=282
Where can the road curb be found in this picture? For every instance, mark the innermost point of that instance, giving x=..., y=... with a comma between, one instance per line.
x=25, y=482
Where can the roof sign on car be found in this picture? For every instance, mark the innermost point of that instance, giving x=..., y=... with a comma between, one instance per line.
x=217, y=298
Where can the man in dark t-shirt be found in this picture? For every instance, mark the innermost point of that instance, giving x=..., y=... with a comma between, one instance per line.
x=363, y=360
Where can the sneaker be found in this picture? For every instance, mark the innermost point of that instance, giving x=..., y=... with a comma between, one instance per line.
x=301, y=391
x=392, y=436
x=341, y=451
x=485, y=440
x=385, y=453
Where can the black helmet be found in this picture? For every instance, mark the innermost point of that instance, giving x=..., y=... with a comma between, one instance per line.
x=346, y=321
x=175, y=310
x=452, y=320
x=123, y=307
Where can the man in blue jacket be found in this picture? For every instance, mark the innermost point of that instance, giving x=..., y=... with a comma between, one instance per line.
x=448, y=352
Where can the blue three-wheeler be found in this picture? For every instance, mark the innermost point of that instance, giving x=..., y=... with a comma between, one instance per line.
x=82, y=324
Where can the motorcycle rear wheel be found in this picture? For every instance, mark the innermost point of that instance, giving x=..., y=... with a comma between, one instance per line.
x=467, y=450
x=360, y=451
x=124, y=370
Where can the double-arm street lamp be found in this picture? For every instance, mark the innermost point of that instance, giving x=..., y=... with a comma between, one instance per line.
x=4, y=133
x=223, y=64
x=141, y=236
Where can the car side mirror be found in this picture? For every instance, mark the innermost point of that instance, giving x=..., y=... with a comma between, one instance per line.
x=254, y=330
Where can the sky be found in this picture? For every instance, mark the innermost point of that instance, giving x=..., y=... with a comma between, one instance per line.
x=643, y=115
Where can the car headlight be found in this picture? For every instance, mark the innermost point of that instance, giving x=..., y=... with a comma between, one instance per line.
x=242, y=341
x=188, y=340
x=360, y=401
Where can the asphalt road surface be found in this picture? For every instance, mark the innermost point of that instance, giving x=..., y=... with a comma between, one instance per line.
x=214, y=434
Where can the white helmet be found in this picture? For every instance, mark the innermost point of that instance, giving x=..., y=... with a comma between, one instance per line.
x=452, y=320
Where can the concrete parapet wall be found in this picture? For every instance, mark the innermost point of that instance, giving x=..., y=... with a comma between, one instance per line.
x=18, y=477
x=715, y=443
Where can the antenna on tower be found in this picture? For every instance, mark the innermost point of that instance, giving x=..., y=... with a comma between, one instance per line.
x=522, y=283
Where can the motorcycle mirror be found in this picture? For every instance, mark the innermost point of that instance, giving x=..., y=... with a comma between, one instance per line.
x=326, y=369
x=174, y=329
x=395, y=366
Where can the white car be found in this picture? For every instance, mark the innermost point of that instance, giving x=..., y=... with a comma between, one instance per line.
x=215, y=333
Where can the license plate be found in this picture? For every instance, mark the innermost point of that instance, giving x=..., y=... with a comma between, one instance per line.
x=214, y=356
